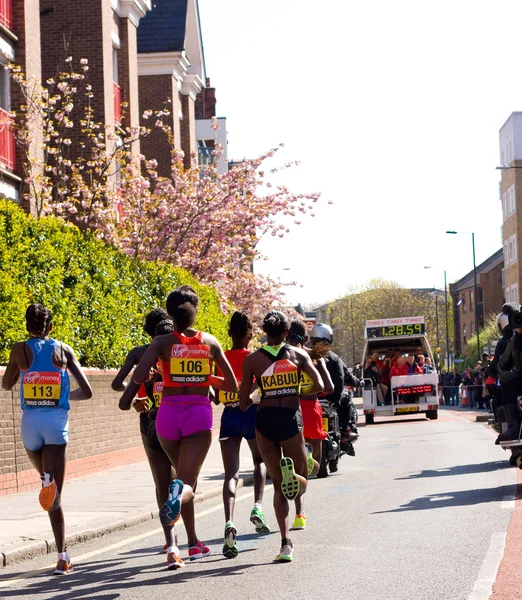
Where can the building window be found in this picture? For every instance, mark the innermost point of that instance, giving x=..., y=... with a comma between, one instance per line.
x=463, y=302
x=511, y=200
x=506, y=253
x=6, y=13
x=514, y=293
x=471, y=328
x=464, y=334
x=117, y=90
x=471, y=301
x=512, y=249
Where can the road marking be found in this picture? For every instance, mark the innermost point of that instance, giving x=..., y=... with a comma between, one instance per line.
x=508, y=501
x=115, y=546
x=483, y=587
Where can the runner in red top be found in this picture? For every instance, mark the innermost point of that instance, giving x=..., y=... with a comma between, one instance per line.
x=237, y=425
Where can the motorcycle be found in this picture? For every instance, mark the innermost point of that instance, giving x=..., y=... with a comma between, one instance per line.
x=514, y=446
x=337, y=442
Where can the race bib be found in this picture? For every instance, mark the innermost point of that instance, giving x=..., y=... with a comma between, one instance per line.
x=280, y=379
x=190, y=364
x=42, y=388
x=305, y=384
x=157, y=393
x=228, y=397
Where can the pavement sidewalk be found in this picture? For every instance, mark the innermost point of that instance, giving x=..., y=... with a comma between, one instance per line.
x=98, y=504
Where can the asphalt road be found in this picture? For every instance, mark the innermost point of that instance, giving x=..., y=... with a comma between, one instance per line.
x=420, y=513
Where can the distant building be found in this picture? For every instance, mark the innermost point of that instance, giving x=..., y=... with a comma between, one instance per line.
x=510, y=195
x=490, y=299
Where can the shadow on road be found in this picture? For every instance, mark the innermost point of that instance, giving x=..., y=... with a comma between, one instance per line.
x=107, y=578
x=459, y=470
x=461, y=498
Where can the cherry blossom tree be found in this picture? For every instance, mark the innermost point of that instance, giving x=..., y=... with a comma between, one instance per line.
x=207, y=222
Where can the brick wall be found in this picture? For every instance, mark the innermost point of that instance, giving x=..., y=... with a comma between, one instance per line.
x=206, y=102
x=101, y=436
x=154, y=91
x=188, y=129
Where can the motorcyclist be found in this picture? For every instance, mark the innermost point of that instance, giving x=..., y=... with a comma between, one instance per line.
x=509, y=366
x=341, y=376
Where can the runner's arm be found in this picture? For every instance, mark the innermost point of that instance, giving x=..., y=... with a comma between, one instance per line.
x=84, y=391
x=129, y=393
x=247, y=381
x=147, y=361
x=228, y=382
x=118, y=383
x=327, y=380
x=12, y=371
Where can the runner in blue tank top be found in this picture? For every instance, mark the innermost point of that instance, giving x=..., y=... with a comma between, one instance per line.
x=42, y=365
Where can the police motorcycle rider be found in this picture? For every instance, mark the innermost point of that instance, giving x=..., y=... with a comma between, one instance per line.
x=492, y=370
x=321, y=333
x=510, y=368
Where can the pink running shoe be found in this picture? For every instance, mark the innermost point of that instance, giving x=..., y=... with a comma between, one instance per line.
x=198, y=551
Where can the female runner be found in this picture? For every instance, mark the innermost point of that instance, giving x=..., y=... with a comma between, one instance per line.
x=311, y=410
x=236, y=425
x=157, y=322
x=184, y=421
x=276, y=367
x=43, y=365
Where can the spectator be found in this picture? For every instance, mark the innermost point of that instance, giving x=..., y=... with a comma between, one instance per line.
x=357, y=370
x=386, y=379
x=423, y=364
x=478, y=388
x=412, y=366
x=445, y=382
x=454, y=390
x=377, y=360
x=399, y=368
x=467, y=382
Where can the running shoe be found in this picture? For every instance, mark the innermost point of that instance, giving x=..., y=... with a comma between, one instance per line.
x=286, y=553
x=230, y=549
x=290, y=483
x=198, y=551
x=174, y=560
x=171, y=510
x=258, y=519
x=63, y=567
x=310, y=459
x=300, y=522
x=49, y=492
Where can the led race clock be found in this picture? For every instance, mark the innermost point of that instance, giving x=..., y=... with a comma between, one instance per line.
x=383, y=331
x=426, y=389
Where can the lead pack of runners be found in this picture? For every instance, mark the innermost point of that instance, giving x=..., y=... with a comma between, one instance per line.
x=269, y=398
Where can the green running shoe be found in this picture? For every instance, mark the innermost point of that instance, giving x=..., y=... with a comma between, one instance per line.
x=230, y=549
x=310, y=459
x=290, y=483
x=286, y=554
x=258, y=519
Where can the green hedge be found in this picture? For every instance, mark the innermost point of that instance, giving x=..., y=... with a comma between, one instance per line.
x=98, y=295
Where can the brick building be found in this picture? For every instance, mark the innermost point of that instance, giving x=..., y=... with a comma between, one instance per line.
x=171, y=68
x=490, y=299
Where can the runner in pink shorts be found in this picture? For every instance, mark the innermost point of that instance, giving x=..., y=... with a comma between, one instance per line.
x=184, y=421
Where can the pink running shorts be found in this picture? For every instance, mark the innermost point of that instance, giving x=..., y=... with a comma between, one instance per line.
x=181, y=416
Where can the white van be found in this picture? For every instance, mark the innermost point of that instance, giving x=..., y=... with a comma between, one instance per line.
x=408, y=394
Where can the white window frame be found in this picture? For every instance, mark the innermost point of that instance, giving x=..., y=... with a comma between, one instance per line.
x=511, y=204
x=506, y=252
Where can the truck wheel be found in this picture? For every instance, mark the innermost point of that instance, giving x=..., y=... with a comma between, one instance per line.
x=432, y=414
x=370, y=419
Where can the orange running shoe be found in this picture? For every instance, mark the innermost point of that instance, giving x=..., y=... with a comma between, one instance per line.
x=49, y=492
x=174, y=560
x=63, y=567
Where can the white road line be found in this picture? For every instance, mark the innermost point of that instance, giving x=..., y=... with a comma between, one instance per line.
x=508, y=502
x=125, y=542
x=488, y=571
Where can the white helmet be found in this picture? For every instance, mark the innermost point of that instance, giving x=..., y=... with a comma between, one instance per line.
x=321, y=331
x=502, y=322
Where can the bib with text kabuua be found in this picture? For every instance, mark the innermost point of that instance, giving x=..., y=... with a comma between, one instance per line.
x=281, y=378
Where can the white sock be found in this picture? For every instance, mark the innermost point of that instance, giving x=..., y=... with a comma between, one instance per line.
x=64, y=556
x=174, y=549
x=46, y=479
x=258, y=506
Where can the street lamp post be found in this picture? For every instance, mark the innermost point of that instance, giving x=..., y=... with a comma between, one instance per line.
x=447, y=318
x=474, y=285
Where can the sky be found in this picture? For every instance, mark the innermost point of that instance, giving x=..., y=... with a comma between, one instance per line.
x=393, y=110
